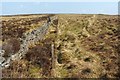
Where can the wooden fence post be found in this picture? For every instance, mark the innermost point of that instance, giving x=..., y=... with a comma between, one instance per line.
x=53, y=47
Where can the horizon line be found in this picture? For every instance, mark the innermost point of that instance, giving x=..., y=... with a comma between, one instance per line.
x=55, y=13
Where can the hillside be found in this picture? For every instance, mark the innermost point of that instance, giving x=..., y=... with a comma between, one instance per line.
x=79, y=46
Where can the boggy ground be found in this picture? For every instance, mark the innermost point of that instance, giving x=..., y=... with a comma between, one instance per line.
x=87, y=46
x=37, y=62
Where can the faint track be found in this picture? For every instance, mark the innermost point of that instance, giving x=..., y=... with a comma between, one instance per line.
x=91, y=21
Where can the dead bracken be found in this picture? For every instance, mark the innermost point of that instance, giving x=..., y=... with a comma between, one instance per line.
x=85, y=46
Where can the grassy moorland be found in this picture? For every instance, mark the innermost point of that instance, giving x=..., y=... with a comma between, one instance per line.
x=86, y=46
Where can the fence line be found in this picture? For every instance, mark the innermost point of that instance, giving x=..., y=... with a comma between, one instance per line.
x=29, y=37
